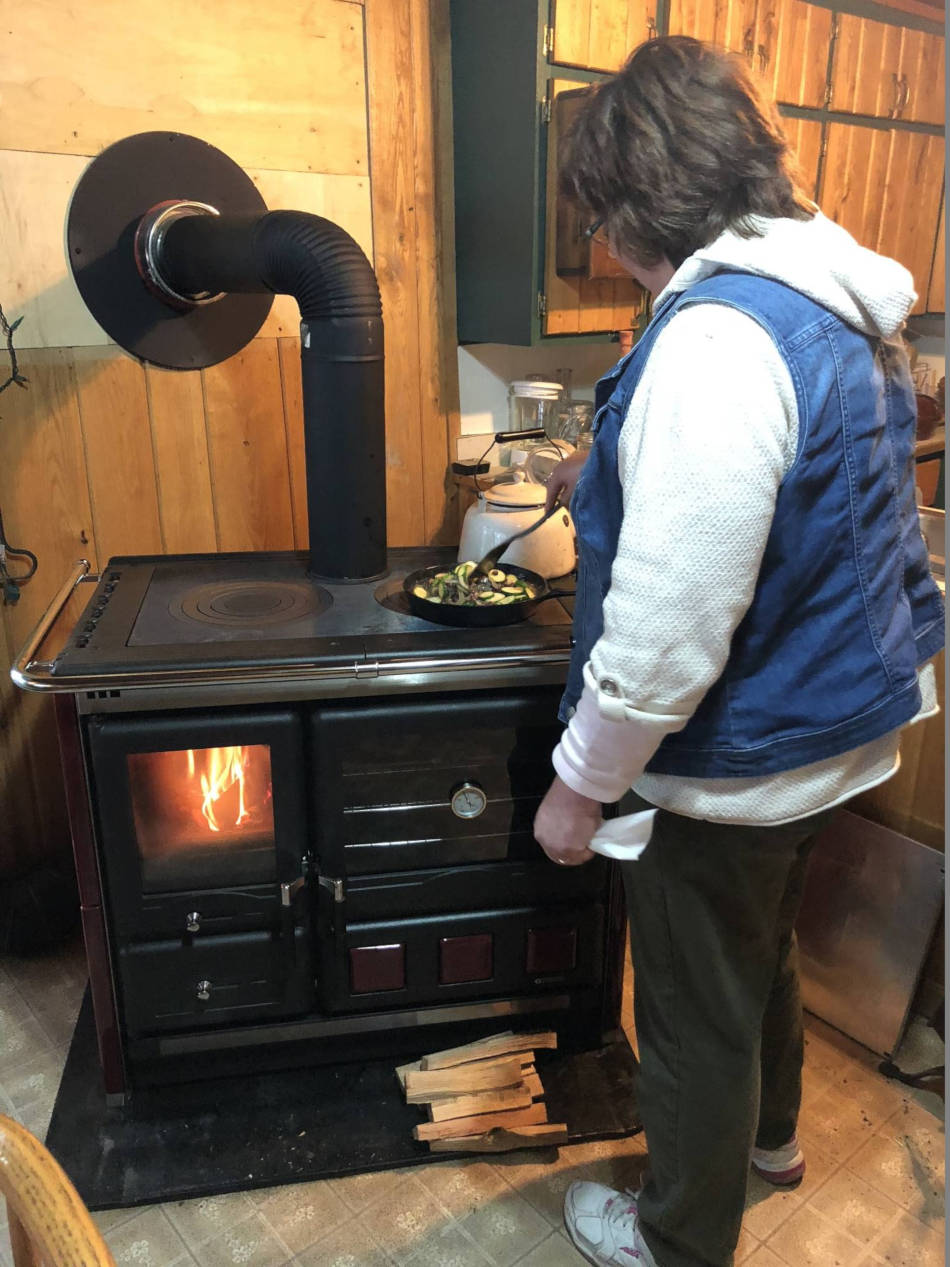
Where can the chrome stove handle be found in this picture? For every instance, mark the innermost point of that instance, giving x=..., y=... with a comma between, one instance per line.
x=24, y=661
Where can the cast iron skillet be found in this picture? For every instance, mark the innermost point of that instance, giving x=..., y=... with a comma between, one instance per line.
x=480, y=617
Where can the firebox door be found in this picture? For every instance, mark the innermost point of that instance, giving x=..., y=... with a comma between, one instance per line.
x=202, y=835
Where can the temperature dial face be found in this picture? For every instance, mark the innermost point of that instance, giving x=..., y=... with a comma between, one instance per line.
x=468, y=800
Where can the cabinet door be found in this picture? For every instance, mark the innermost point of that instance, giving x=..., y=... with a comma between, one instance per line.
x=804, y=137
x=574, y=302
x=791, y=50
x=866, y=67
x=883, y=185
x=921, y=78
x=730, y=23
x=936, y=293
x=600, y=34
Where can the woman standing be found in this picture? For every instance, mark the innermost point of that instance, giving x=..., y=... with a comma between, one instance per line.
x=754, y=620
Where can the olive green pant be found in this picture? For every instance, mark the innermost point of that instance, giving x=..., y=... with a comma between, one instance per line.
x=718, y=1016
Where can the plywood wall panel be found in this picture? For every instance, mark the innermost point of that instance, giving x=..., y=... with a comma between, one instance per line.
x=182, y=471
x=249, y=471
x=292, y=394
x=118, y=447
x=35, y=282
x=391, y=108
x=276, y=85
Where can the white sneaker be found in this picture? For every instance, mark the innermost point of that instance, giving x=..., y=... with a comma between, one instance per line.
x=784, y=1167
x=602, y=1223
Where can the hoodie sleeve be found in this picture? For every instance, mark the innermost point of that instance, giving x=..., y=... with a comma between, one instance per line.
x=710, y=433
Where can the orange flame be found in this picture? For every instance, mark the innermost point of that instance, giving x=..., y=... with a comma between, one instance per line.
x=226, y=767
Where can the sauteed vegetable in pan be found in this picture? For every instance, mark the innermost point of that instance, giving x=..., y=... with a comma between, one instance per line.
x=457, y=587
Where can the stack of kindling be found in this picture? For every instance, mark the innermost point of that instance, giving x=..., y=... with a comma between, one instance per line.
x=483, y=1097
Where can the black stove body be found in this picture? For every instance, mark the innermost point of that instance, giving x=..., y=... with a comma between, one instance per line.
x=302, y=820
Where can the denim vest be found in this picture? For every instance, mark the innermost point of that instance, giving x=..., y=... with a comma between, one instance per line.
x=845, y=608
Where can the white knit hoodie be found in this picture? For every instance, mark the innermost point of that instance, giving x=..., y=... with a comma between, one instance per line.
x=710, y=433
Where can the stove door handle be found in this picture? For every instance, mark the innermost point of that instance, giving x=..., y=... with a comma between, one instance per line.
x=289, y=891
x=335, y=887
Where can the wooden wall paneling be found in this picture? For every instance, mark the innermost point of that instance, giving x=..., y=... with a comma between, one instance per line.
x=796, y=36
x=292, y=394
x=804, y=137
x=439, y=491
x=936, y=291
x=391, y=127
x=180, y=447
x=250, y=479
x=866, y=66
x=445, y=247
x=118, y=445
x=35, y=282
x=912, y=206
x=274, y=86
x=45, y=503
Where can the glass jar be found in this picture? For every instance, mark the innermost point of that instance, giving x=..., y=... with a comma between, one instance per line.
x=533, y=404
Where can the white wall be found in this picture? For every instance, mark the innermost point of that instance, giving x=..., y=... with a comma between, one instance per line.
x=486, y=369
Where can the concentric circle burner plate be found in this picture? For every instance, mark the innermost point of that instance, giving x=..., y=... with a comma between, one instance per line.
x=251, y=603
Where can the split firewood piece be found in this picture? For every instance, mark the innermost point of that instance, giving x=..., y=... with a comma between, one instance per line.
x=481, y=1123
x=444, y=1110
x=504, y=1140
x=533, y=1082
x=423, y=1086
x=413, y=1067
x=499, y=1045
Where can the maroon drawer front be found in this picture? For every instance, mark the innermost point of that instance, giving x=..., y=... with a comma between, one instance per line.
x=552, y=949
x=461, y=956
x=466, y=959
x=374, y=968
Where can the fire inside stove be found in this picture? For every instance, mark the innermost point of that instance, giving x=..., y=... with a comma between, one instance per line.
x=203, y=816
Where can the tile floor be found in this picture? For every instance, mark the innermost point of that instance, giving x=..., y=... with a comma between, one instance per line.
x=874, y=1192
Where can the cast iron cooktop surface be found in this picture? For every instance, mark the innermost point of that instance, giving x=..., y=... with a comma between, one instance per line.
x=169, y=611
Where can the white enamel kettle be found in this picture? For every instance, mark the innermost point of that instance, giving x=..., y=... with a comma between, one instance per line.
x=502, y=511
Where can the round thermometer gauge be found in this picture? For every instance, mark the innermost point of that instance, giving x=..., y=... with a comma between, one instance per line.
x=468, y=800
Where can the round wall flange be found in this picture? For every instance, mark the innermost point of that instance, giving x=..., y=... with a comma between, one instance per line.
x=120, y=187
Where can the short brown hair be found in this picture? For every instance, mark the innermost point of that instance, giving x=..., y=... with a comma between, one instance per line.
x=678, y=147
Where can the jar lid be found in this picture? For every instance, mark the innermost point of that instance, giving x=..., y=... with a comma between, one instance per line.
x=536, y=391
x=524, y=494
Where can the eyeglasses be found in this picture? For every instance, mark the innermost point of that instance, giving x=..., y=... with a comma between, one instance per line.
x=595, y=232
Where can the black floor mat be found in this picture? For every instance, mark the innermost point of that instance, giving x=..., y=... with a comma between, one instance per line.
x=213, y=1136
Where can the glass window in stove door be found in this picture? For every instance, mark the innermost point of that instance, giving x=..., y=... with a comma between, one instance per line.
x=204, y=817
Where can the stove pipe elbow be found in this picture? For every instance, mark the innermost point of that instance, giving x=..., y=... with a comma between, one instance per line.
x=341, y=348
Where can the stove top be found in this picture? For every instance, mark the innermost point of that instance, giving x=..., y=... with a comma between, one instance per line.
x=225, y=611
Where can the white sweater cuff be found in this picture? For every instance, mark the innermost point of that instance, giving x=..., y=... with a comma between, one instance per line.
x=602, y=757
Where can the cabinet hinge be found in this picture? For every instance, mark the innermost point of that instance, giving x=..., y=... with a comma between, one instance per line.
x=546, y=110
x=548, y=41
x=542, y=305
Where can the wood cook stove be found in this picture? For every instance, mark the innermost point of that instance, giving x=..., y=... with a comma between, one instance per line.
x=301, y=816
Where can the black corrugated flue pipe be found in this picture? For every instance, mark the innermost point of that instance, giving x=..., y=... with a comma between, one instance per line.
x=341, y=353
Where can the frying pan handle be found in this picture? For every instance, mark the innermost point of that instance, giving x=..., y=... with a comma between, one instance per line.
x=557, y=594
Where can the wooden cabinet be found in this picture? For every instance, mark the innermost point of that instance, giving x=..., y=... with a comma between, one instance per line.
x=884, y=186
x=511, y=287
x=887, y=71
x=936, y=292
x=804, y=136
x=599, y=34
x=785, y=41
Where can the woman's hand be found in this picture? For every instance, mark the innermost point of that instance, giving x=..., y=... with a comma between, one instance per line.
x=565, y=823
x=562, y=479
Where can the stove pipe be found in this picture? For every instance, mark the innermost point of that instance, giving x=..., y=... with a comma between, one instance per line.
x=341, y=349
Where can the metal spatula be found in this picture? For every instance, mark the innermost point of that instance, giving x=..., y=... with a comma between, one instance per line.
x=485, y=565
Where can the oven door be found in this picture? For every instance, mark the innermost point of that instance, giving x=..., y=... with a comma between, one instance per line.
x=203, y=834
